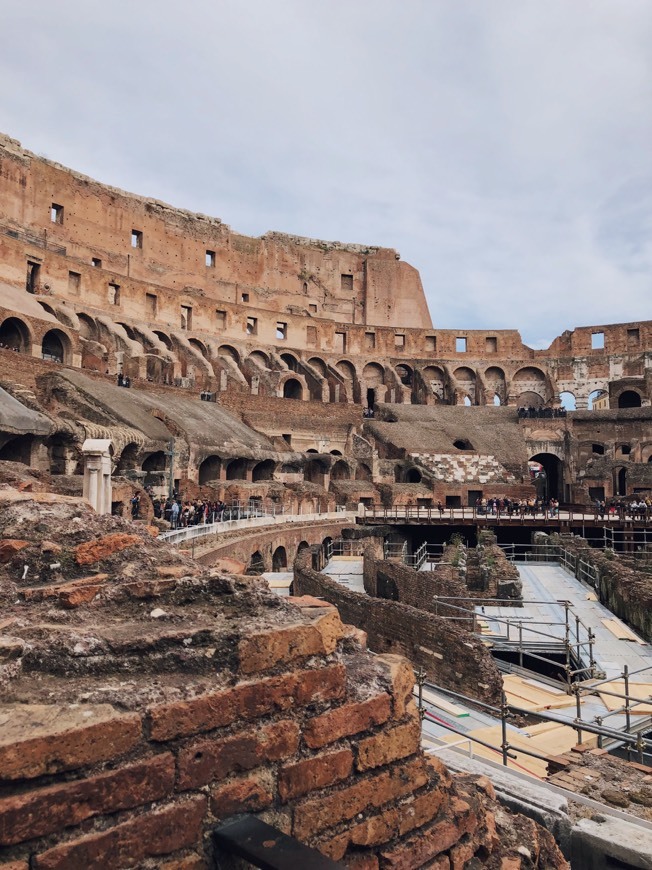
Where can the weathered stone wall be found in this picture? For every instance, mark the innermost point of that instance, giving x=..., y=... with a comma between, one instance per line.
x=449, y=654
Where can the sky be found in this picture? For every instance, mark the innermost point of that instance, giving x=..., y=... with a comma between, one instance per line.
x=503, y=147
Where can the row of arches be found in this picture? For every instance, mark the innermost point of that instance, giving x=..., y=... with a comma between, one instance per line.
x=16, y=335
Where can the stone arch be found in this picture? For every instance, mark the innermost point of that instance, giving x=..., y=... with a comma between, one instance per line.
x=200, y=346
x=256, y=563
x=530, y=400
x=550, y=484
x=466, y=381
x=154, y=461
x=346, y=369
x=209, y=470
x=435, y=378
x=290, y=361
x=263, y=470
x=128, y=329
x=303, y=545
x=56, y=346
x=373, y=374
x=363, y=472
x=319, y=365
x=567, y=399
x=227, y=351
x=529, y=380
x=259, y=357
x=620, y=480
x=167, y=341
x=279, y=559
x=15, y=334
x=128, y=458
x=314, y=469
x=413, y=475
x=17, y=449
x=292, y=389
x=88, y=327
x=405, y=374
x=340, y=470
x=494, y=378
x=48, y=308
x=237, y=469
x=629, y=399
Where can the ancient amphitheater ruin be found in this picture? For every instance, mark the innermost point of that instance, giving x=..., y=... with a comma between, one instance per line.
x=413, y=497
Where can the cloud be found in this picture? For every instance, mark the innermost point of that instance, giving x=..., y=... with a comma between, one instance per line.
x=502, y=147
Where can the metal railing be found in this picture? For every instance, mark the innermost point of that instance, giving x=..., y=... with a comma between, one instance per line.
x=33, y=239
x=190, y=533
x=521, y=516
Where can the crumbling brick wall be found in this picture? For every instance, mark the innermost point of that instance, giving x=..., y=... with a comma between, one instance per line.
x=144, y=699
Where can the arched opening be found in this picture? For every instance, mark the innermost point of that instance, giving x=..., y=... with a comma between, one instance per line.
x=434, y=378
x=363, y=472
x=405, y=374
x=629, y=399
x=228, y=352
x=314, y=470
x=279, y=559
x=623, y=449
x=18, y=449
x=236, y=469
x=128, y=459
x=465, y=379
x=528, y=383
x=463, y=444
x=14, y=335
x=304, y=545
x=327, y=548
x=256, y=563
x=292, y=389
x=54, y=346
x=167, y=341
x=529, y=399
x=318, y=364
x=87, y=327
x=290, y=361
x=260, y=358
x=346, y=369
x=263, y=470
x=198, y=345
x=594, y=397
x=336, y=453
x=413, y=475
x=340, y=471
x=128, y=329
x=154, y=462
x=546, y=473
x=373, y=374
x=620, y=481
x=567, y=400
x=209, y=470
x=494, y=378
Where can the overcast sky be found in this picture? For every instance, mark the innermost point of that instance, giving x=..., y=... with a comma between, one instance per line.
x=504, y=147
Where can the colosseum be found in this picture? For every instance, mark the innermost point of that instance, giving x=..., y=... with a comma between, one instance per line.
x=246, y=487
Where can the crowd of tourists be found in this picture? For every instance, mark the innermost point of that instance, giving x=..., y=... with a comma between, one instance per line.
x=182, y=514
x=547, y=413
x=637, y=509
x=497, y=507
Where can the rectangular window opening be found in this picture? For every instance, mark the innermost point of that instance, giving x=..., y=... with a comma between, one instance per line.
x=114, y=294
x=347, y=283
x=287, y=439
x=33, y=275
x=597, y=341
x=370, y=340
x=186, y=317
x=340, y=342
x=431, y=342
x=244, y=297
x=252, y=326
x=96, y=263
x=491, y=344
x=460, y=344
x=56, y=213
x=151, y=304
x=633, y=337
x=136, y=239
x=399, y=340
x=312, y=308
x=281, y=331
x=74, y=282
x=220, y=319
x=210, y=259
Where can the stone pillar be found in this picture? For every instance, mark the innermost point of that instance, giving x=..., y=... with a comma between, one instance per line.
x=97, y=473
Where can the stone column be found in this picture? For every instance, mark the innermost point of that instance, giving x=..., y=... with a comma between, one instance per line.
x=97, y=473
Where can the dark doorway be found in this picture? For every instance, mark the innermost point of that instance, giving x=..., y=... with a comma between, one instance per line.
x=629, y=399
x=549, y=482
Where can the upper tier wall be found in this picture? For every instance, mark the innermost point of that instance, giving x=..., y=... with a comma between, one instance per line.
x=178, y=249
